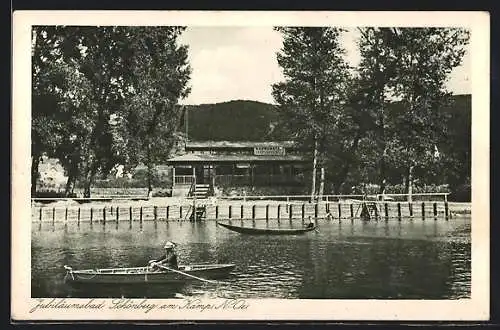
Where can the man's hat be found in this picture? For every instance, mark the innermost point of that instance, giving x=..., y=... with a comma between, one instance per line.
x=169, y=245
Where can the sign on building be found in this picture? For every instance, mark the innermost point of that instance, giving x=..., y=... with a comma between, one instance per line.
x=269, y=151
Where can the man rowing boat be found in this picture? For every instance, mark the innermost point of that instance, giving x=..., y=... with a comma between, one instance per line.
x=168, y=260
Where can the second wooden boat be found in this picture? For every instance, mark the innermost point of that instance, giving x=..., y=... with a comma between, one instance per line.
x=267, y=231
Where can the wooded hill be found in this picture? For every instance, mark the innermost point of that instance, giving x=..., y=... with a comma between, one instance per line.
x=231, y=121
x=256, y=121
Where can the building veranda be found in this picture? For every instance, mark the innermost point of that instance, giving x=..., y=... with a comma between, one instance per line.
x=232, y=164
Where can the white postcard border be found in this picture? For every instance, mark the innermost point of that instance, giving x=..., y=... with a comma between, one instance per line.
x=476, y=308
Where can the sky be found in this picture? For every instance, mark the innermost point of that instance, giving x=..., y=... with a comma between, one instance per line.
x=239, y=63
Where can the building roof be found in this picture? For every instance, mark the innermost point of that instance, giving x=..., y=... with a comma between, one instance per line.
x=194, y=158
x=238, y=144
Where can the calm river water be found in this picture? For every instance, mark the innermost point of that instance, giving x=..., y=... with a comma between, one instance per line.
x=411, y=259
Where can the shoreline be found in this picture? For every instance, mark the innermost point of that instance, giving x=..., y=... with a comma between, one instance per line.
x=168, y=208
x=457, y=207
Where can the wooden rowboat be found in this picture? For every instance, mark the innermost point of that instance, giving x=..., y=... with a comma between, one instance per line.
x=266, y=231
x=136, y=275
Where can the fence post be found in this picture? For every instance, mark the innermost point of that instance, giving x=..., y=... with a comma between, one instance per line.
x=167, y=212
x=253, y=212
x=399, y=211
x=290, y=212
x=386, y=211
x=446, y=214
x=130, y=214
x=66, y=214
x=117, y=214
x=316, y=210
x=410, y=208
x=53, y=214
x=140, y=215
x=279, y=211
x=340, y=210
x=303, y=211
x=423, y=210
x=40, y=214
x=216, y=212
x=230, y=211
x=352, y=210
x=241, y=211
x=104, y=215
x=91, y=215
x=267, y=213
x=327, y=206
x=180, y=212
x=78, y=216
x=435, y=210
x=155, y=214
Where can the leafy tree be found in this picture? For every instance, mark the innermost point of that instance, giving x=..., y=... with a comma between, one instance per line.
x=408, y=66
x=455, y=164
x=312, y=97
x=82, y=79
x=50, y=77
x=152, y=113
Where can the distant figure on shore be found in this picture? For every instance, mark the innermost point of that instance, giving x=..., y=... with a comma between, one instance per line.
x=310, y=224
x=329, y=216
x=168, y=260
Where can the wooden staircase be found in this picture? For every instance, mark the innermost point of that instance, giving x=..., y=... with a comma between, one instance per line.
x=199, y=214
x=200, y=191
x=369, y=210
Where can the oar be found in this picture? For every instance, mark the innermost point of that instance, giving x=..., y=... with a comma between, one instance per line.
x=188, y=275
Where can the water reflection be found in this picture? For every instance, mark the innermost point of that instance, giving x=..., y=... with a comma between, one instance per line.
x=411, y=259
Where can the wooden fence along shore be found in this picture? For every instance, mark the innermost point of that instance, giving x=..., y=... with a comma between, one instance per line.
x=249, y=210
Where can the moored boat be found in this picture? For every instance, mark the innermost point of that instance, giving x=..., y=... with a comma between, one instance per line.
x=267, y=231
x=135, y=275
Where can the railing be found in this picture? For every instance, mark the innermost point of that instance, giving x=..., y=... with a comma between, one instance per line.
x=344, y=198
x=183, y=179
x=91, y=199
x=188, y=213
x=259, y=179
x=192, y=188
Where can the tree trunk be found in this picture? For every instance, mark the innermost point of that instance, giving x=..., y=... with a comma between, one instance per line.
x=381, y=124
x=150, y=171
x=322, y=182
x=72, y=175
x=409, y=183
x=382, y=189
x=382, y=176
x=35, y=162
x=150, y=184
x=315, y=160
x=89, y=179
x=70, y=185
x=86, y=188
